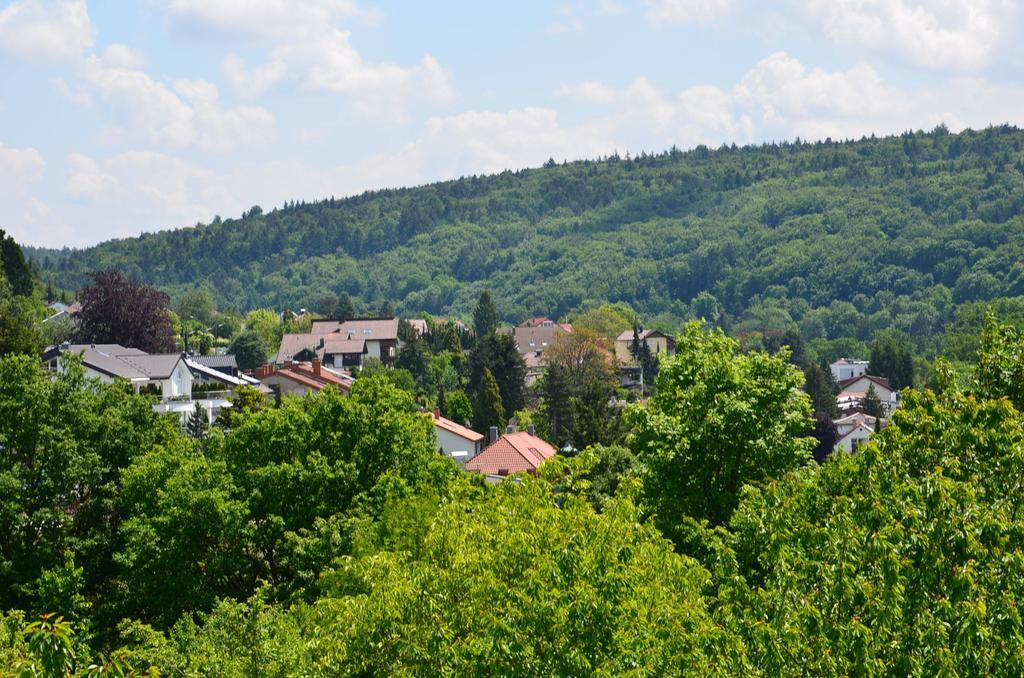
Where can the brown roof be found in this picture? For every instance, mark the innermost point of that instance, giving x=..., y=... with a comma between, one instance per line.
x=452, y=427
x=306, y=374
x=512, y=453
x=627, y=335
x=294, y=344
x=346, y=346
x=530, y=339
x=881, y=381
x=369, y=329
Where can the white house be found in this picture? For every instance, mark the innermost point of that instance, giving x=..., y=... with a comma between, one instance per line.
x=848, y=368
x=856, y=436
x=166, y=376
x=458, y=442
x=343, y=344
x=853, y=391
x=846, y=424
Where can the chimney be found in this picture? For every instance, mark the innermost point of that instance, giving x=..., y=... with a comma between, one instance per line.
x=316, y=367
x=510, y=428
x=493, y=435
x=437, y=413
x=531, y=430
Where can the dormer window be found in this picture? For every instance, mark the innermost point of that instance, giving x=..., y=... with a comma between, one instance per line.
x=367, y=331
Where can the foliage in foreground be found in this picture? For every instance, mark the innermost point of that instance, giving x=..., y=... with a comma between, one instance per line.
x=904, y=558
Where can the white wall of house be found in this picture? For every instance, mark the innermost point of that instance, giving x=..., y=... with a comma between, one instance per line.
x=854, y=439
x=180, y=383
x=287, y=386
x=854, y=368
x=455, y=446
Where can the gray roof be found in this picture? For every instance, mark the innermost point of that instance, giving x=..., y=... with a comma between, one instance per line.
x=119, y=361
x=153, y=366
x=215, y=361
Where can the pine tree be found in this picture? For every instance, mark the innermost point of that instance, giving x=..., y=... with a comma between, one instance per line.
x=345, y=309
x=872, y=404
x=485, y=315
x=488, y=410
x=196, y=425
x=818, y=384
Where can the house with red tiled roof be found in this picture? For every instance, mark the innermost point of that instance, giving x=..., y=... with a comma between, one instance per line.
x=457, y=441
x=520, y=452
x=300, y=378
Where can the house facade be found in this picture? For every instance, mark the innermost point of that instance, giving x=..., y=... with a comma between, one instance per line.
x=659, y=343
x=853, y=391
x=848, y=368
x=165, y=376
x=458, y=442
x=301, y=378
x=343, y=344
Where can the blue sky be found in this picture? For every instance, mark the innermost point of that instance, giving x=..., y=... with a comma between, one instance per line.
x=123, y=117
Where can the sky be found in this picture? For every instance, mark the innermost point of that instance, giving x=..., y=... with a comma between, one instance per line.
x=118, y=118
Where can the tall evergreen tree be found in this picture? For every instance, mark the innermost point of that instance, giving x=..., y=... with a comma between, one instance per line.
x=345, y=309
x=485, y=315
x=892, y=360
x=819, y=385
x=488, y=410
x=872, y=404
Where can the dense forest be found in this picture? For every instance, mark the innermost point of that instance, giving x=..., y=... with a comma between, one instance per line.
x=915, y=234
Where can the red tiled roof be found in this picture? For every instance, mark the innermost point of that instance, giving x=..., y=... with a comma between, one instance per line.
x=452, y=427
x=303, y=373
x=512, y=453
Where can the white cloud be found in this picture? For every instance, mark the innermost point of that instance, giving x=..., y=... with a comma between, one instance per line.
x=957, y=35
x=591, y=92
x=780, y=98
x=310, y=49
x=20, y=168
x=683, y=11
x=33, y=29
x=185, y=113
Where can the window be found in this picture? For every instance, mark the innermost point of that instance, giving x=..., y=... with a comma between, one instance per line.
x=367, y=331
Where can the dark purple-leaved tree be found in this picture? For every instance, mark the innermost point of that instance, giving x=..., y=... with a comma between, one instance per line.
x=120, y=310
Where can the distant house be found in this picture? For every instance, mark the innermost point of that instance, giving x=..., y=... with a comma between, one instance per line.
x=457, y=441
x=658, y=342
x=532, y=338
x=301, y=378
x=520, y=452
x=225, y=364
x=851, y=421
x=855, y=431
x=847, y=368
x=343, y=344
x=213, y=389
x=421, y=326
x=853, y=391
x=166, y=376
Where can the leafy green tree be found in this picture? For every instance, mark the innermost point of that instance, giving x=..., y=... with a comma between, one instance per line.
x=578, y=389
x=18, y=331
x=246, y=400
x=249, y=350
x=267, y=324
x=485, y=316
x=529, y=583
x=718, y=420
x=892, y=360
x=458, y=407
x=1000, y=371
x=199, y=305
x=897, y=560
x=66, y=442
x=488, y=410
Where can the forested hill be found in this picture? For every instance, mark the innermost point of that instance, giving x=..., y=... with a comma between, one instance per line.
x=836, y=238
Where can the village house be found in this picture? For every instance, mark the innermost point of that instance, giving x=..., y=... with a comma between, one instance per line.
x=513, y=452
x=212, y=388
x=166, y=376
x=456, y=441
x=301, y=378
x=659, y=343
x=848, y=368
x=853, y=391
x=343, y=344
x=854, y=431
x=532, y=338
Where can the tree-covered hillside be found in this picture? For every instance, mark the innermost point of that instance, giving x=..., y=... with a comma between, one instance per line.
x=837, y=239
